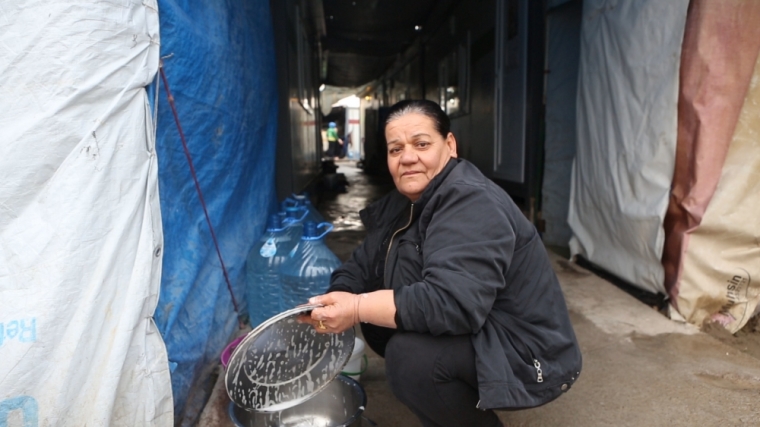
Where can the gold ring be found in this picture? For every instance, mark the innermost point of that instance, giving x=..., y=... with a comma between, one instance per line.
x=321, y=325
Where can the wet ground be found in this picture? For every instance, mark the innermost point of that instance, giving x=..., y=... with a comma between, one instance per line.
x=640, y=369
x=746, y=340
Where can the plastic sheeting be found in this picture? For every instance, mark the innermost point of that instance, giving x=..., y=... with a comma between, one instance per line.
x=80, y=226
x=722, y=255
x=221, y=71
x=720, y=48
x=627, y=94
x=564, y=28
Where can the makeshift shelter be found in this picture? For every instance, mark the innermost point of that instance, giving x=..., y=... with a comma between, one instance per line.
x=649, y=163
x=665, y=110
x=85, y=237
x=81, y=241
x=219, y=61
x=711, y=251
x=626, y=124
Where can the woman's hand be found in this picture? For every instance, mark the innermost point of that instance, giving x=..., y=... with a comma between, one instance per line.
x=339, y=312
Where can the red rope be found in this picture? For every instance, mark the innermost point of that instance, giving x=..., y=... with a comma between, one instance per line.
x=197, y=184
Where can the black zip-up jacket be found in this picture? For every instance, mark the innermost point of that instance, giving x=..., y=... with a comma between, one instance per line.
x=462, y=260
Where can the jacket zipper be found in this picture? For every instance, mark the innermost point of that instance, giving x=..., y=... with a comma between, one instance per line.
x=387, y=253
x=536, y=363
x=539, y=372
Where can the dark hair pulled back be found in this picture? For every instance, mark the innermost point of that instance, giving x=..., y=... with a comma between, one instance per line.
x=421, y=106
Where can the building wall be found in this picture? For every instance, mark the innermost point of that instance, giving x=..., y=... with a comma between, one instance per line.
x=563, y=55
x=299, y=147
x=481, y=64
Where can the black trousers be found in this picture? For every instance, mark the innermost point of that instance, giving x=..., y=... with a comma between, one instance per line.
x=435, y=377
x=332, y=149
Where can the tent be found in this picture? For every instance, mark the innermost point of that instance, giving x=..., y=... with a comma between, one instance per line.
x=711, y=251
x=666, y=159
x=113, y=300
x=626, y=128
x=81, y=239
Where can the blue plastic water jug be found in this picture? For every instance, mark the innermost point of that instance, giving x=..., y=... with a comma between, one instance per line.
x=303, y=200
x=263, y=286
x=294, y=219
x=307, y=271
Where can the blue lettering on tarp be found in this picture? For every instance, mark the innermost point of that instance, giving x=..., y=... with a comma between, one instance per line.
x=26, y=404
x=25, y=330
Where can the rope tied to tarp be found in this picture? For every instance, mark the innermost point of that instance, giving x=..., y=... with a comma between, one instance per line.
x=170, y=98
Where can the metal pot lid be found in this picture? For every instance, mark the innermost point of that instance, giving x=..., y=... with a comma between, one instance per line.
x=282, y=362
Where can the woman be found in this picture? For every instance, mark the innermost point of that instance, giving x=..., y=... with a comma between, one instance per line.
x=452, y=285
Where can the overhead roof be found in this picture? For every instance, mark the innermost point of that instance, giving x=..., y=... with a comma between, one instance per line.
x=363, y=38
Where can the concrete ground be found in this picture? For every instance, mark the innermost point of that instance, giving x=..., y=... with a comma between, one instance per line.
x=640, y=368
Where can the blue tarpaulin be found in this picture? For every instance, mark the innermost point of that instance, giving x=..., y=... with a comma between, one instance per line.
x=220, y=63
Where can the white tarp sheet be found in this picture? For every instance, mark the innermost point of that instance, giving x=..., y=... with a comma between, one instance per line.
x=80, y=226
x=627, y=118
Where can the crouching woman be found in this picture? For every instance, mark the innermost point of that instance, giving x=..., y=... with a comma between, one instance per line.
x=452, y=285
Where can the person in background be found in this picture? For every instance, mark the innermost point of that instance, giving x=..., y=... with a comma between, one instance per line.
x=334, y=144
x=452, y=285
x=347, y=144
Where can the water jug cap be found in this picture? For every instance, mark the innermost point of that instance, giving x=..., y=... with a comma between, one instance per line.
x=275, y=223
x=301, y=199
x=311, y=230
x=295, y=213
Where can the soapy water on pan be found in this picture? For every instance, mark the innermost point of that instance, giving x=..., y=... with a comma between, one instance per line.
x=285, y=364
x=310, y=421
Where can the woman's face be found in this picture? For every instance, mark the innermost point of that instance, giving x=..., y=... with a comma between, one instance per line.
x=416, y=152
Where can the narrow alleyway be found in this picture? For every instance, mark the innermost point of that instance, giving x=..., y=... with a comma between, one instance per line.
x=640, y=369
